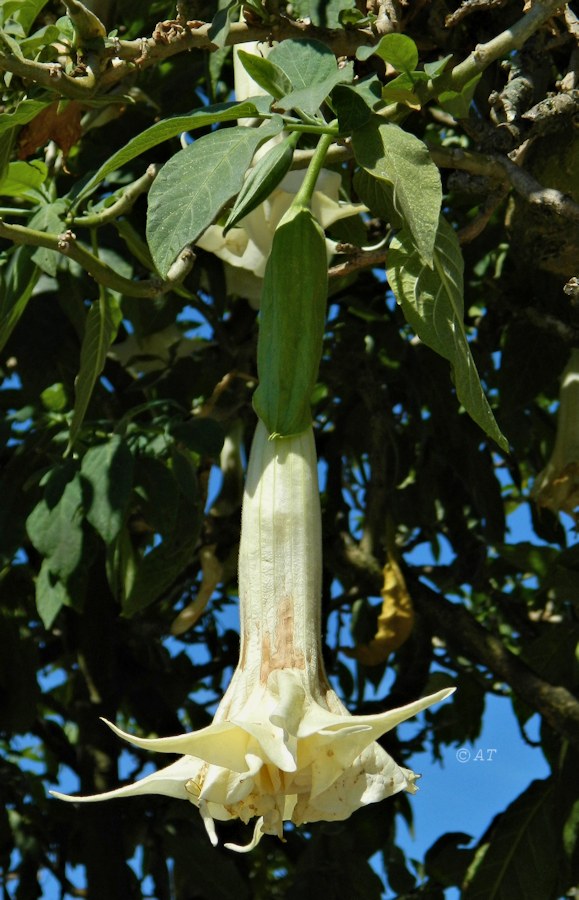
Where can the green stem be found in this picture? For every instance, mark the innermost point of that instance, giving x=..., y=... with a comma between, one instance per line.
x=13, y=211
x=511, y=39
x=49, y=75
x=67, y=245
x=120, y=206
x=305, y=193
x=302, y=128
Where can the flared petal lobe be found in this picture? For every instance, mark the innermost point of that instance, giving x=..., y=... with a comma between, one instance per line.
x=282, y=746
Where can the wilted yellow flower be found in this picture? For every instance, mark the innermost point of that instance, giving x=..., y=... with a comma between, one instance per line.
x=282, y=746
x=557, y=486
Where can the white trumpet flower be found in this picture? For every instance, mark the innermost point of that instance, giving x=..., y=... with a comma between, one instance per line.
x=557, y=486
x=246, y=247
x=282, y=746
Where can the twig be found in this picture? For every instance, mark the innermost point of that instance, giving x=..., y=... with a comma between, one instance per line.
x=471, y=6
x=360, y=260
x=172, y=38
x=67, y=245
x=502, y=169
x=336, y=154
x=512, y=38
x=49, y=75
x=556, y=704
x=480, y=222
x=122, y=205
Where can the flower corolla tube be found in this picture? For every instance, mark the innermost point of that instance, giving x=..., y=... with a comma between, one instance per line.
x=557, y=486
x=282, y=747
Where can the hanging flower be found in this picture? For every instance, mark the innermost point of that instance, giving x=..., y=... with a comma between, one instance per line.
x=557, y=486
x=282, y=746
x=246, y=247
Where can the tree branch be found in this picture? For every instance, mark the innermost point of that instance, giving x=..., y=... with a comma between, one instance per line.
x=458, y=627
x=358, y=260
x=103, y=274
x=502, y=169
x=510, y=39
x=122, y=205
x=49, y=75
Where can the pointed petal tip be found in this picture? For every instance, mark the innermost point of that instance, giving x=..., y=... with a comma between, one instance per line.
x=446, y=692
x=257, y=836
x=60, y=796
x=92, y=798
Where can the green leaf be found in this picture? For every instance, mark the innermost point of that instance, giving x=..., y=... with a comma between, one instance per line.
x=402, y=89
x=22, y=273
x=38, y=40
x=54, y=397
x=165, y=562
x=262, y=179
x=23, y=11
x=24, y=112
x=202, y=435
x=432, y=303
x=457, y=103
x=521, y=859
x=292, y=318
x=401, y=160
x=16, y=286
x=310, y=99
x=12, y=46
x=304, y=62
x=108, y=469
x=7, y=138
x=437, y=67
x=102, y=324
x=185, y=472
x=24, y=179
x=56, y=530
x=49, y=218
x=397, y=49
x=312, y=71
x=164, y=131
x=354, y=17
x=196, y=183
x=553, y=655
x=221, y=24
x=446, y=862
x=378, y=197
x=158, y=494
x=265, y=73
x=51, y=595
x=353, y=105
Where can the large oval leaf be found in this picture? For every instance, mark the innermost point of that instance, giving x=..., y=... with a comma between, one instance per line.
x=432, y=303
x=192, y=188
x=312, y=70
x=164, y=131
x=402, y=161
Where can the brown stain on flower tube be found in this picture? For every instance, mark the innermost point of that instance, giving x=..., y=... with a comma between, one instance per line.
x=278, y=650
